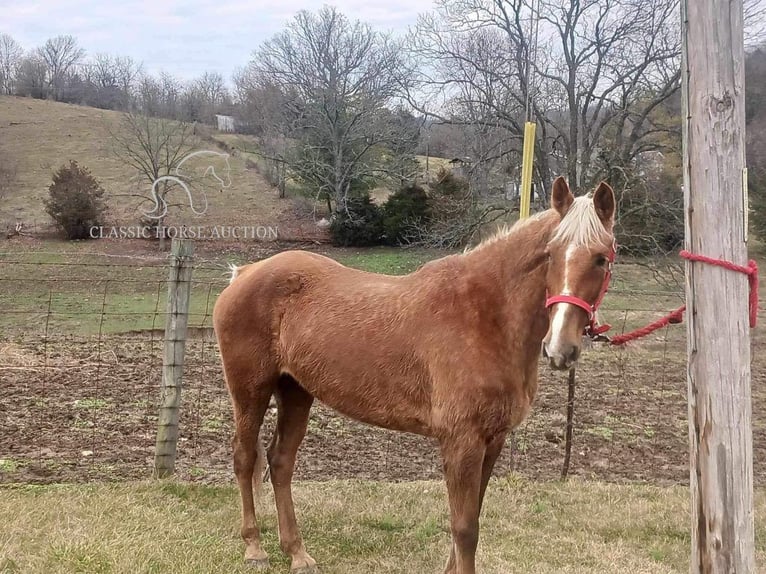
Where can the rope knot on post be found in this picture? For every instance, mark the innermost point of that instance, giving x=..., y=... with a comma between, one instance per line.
x=751, y=270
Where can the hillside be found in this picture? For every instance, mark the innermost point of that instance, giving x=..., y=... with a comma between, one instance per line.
x=36, y=137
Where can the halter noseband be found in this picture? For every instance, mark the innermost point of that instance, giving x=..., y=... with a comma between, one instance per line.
x=593, y=329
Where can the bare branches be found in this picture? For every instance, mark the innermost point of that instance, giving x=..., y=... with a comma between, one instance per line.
x=601, y=70
x=326, y=85
x=10, y=56
x=61, y=55
x=153, y=146
x=755, y=22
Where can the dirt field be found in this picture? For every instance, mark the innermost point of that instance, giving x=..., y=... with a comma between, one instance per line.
x=89, y=413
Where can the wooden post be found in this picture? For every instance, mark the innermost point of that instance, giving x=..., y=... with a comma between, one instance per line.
x=179, y=288
x=720, y=436
x=571, y=385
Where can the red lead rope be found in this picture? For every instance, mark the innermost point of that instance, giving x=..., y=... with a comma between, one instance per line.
x=751, y=270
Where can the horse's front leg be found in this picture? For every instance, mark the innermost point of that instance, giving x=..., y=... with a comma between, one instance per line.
x=494, y=448
x=463, y=457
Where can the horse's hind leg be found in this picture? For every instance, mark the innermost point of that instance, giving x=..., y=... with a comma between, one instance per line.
x=293, y=404
x=250, y=398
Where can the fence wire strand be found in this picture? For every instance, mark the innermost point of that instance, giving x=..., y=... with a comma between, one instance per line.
x=88, y=344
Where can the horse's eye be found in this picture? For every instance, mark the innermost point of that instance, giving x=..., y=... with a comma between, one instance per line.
x=601, y=261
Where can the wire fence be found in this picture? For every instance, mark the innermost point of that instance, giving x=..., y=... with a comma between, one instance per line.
x=81, y=357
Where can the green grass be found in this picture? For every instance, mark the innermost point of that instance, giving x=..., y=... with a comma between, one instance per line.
x=68, y=288
x=389, y=260
x=350, y=527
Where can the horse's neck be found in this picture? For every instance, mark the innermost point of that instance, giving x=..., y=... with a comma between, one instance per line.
x=517, y=261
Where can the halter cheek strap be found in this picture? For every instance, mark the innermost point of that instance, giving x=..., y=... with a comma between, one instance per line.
x=593, y=329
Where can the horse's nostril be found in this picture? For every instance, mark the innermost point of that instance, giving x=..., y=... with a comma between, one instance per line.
x=545, y=350
x=575, y=354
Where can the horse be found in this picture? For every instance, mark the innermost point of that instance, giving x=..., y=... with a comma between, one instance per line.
x=449, y=351
x=160, y=208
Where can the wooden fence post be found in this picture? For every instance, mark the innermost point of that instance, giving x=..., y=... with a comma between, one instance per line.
x=718, y=336
x=179, y=289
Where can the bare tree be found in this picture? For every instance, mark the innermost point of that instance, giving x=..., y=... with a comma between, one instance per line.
x=598, y=72
x=31, y=77
x=754, y=21
x=160, y=96
x=61, y=56
x=10, y=56
x=127, y=72
x=101, y=87
x=213, y=89
x=154, y=147
x=265, y=111
x=336, y=79
x=203, y=97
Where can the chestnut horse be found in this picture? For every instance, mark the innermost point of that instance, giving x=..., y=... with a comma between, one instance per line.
x=450, y=351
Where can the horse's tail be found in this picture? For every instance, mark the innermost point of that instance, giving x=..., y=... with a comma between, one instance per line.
x=234, y=272
x=237, y=270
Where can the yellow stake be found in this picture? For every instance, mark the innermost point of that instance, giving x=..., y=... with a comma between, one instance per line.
x=528, y=156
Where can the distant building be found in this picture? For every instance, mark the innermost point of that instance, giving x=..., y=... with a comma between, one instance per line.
x=460, y=166
x=225, y=123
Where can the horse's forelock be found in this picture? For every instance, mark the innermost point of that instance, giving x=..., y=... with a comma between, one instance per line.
x=581, y=225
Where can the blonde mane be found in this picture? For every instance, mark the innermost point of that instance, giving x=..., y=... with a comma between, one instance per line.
x=581, y=225
x=506, y=230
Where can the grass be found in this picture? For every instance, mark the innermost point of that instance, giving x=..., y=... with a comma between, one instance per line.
x=83, y=134
x=131, y=292
x=388, y=260
x=350, y=527
x=69, y=287
x=88, y=293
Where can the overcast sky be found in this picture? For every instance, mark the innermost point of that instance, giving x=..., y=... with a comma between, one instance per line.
x=183, y=37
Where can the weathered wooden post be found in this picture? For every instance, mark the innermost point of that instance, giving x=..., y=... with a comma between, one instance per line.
x=720, y=436
x=179, y=289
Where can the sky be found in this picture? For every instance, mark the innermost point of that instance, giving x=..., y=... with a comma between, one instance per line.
x=183, y=37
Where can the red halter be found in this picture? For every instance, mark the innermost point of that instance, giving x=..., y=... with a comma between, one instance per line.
x=593, y=329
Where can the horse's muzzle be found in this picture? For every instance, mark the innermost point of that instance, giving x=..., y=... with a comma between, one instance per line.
x=562, y=358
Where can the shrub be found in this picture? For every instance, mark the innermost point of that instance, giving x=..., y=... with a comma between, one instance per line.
x=455, y=218
x=447, y=184
x=75, y=201
x=406, y=214
x=360, y=224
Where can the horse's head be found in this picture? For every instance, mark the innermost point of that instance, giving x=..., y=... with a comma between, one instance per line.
x=581, y=253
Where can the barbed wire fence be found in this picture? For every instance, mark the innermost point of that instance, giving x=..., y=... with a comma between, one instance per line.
x=81, y=363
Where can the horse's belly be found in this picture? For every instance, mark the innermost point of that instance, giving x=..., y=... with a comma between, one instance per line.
x=384, y=401
x=383, y=416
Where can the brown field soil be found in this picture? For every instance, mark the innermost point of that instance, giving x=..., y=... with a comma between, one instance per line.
x=86, y=409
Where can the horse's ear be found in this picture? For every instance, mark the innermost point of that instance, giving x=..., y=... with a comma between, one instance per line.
x=603, y=201
x=561, y=196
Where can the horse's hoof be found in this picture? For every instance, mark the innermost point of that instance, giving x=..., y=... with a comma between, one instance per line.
x=258, y=563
